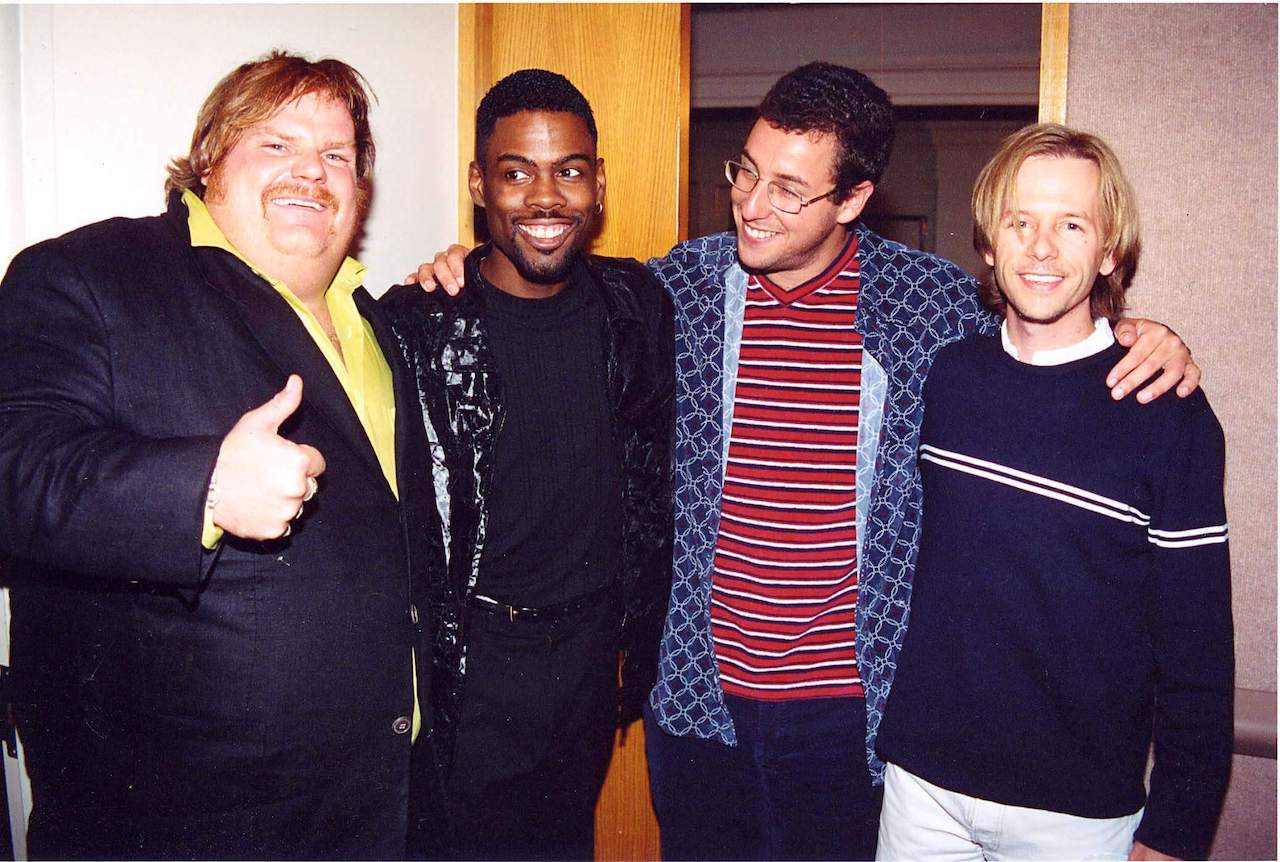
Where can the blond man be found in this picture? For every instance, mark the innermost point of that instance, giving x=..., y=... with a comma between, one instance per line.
x=1072, y=595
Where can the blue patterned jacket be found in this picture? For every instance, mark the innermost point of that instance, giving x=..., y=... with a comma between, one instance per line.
x=910, y=305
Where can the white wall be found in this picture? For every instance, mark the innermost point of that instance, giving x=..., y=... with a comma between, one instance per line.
x=10, y=134
x=107, y=94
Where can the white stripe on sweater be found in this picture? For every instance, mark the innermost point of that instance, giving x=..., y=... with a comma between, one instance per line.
x=1035, y=484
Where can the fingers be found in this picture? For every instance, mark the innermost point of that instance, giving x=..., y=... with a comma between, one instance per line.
x=1141, y=373
x=270, y=415
x=1159, y=386
x=1126, y=332
x=315, y=464
x=445, y=271
x=312, y=486
x=1190, y=379
x=1153, y=349
x=1183, y=373
x=425, y=278
x=263, y=478
x=1121, y=379
x=438, y=272
x=455, y=259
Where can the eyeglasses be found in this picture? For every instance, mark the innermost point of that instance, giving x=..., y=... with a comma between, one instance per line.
x=783, y=199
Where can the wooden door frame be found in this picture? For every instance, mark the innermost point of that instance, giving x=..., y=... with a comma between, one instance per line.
x=1054, y=31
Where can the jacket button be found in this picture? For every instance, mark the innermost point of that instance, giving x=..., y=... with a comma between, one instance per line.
x=413, y=613
x=401, y=724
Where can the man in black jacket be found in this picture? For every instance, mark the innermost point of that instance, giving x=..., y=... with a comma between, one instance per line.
x=212, y=587
x=546, y=393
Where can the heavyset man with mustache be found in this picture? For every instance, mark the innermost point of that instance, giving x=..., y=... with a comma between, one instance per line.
x=206, y=488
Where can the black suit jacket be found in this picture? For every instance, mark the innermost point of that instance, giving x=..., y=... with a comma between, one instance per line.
x=247, y=702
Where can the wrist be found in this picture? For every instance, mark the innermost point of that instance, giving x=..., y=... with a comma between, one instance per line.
x=211, y=494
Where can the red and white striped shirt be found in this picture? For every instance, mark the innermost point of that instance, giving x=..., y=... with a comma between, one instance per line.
x=785, y=583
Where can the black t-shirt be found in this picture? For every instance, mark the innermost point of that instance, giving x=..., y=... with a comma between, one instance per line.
x=555, y=511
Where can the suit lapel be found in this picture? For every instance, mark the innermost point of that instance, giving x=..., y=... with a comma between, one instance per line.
x=289, y=349
x=401, y=385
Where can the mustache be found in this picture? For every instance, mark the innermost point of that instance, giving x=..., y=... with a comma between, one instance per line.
x=544, y=213
x=289, y=189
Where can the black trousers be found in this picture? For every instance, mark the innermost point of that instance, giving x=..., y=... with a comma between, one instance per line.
x=535, y=735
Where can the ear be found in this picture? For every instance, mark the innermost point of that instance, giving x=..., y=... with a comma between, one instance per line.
x=475, y=183
x=851, y=207
x=989, y=258
x=1108, y=265
x=206, y=180
x=600, y=182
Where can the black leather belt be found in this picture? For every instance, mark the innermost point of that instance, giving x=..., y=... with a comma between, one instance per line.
x=550, y=613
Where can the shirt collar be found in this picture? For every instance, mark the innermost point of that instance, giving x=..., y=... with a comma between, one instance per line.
x=205, y=233
x=844, y=263
x=1099, y=340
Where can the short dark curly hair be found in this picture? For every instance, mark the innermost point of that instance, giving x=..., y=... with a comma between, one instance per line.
x=836, y=100
x=529, y=90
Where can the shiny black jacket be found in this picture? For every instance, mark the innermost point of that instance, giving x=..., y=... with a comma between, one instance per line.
x=444, y=342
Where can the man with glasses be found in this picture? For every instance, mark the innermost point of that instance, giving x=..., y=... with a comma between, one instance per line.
x=744, y=179
x=802, y=344
x=797, y=495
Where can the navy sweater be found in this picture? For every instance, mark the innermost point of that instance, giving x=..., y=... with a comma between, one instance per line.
x=1071, y=600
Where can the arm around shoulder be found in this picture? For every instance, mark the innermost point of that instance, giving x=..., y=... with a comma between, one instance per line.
x=1154, y=349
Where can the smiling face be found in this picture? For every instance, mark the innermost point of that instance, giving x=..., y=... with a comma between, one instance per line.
x=792, y=248
x=286, y=194
x=1049, y=252
x=541, y=185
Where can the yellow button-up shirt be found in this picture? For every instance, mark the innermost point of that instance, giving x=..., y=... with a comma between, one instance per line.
x=365, y=375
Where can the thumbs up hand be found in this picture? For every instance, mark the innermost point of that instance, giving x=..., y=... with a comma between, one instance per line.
x=261, y=479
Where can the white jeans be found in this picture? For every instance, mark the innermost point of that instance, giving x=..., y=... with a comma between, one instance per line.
x=921, y=821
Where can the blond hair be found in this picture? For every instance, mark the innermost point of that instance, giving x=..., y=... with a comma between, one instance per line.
x=996, y=189
x=254, y=92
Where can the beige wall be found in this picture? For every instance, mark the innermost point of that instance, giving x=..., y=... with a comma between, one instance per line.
x=1187, y=96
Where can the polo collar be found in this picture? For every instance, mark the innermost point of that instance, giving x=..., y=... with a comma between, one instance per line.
x=205, y=233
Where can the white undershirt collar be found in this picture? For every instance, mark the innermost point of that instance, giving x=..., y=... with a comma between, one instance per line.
x=1099, y=340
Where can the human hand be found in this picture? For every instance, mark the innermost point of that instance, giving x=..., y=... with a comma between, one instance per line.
x=1142, y=851
x=1152, y=347
x=445, y=270
x=261, y=479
